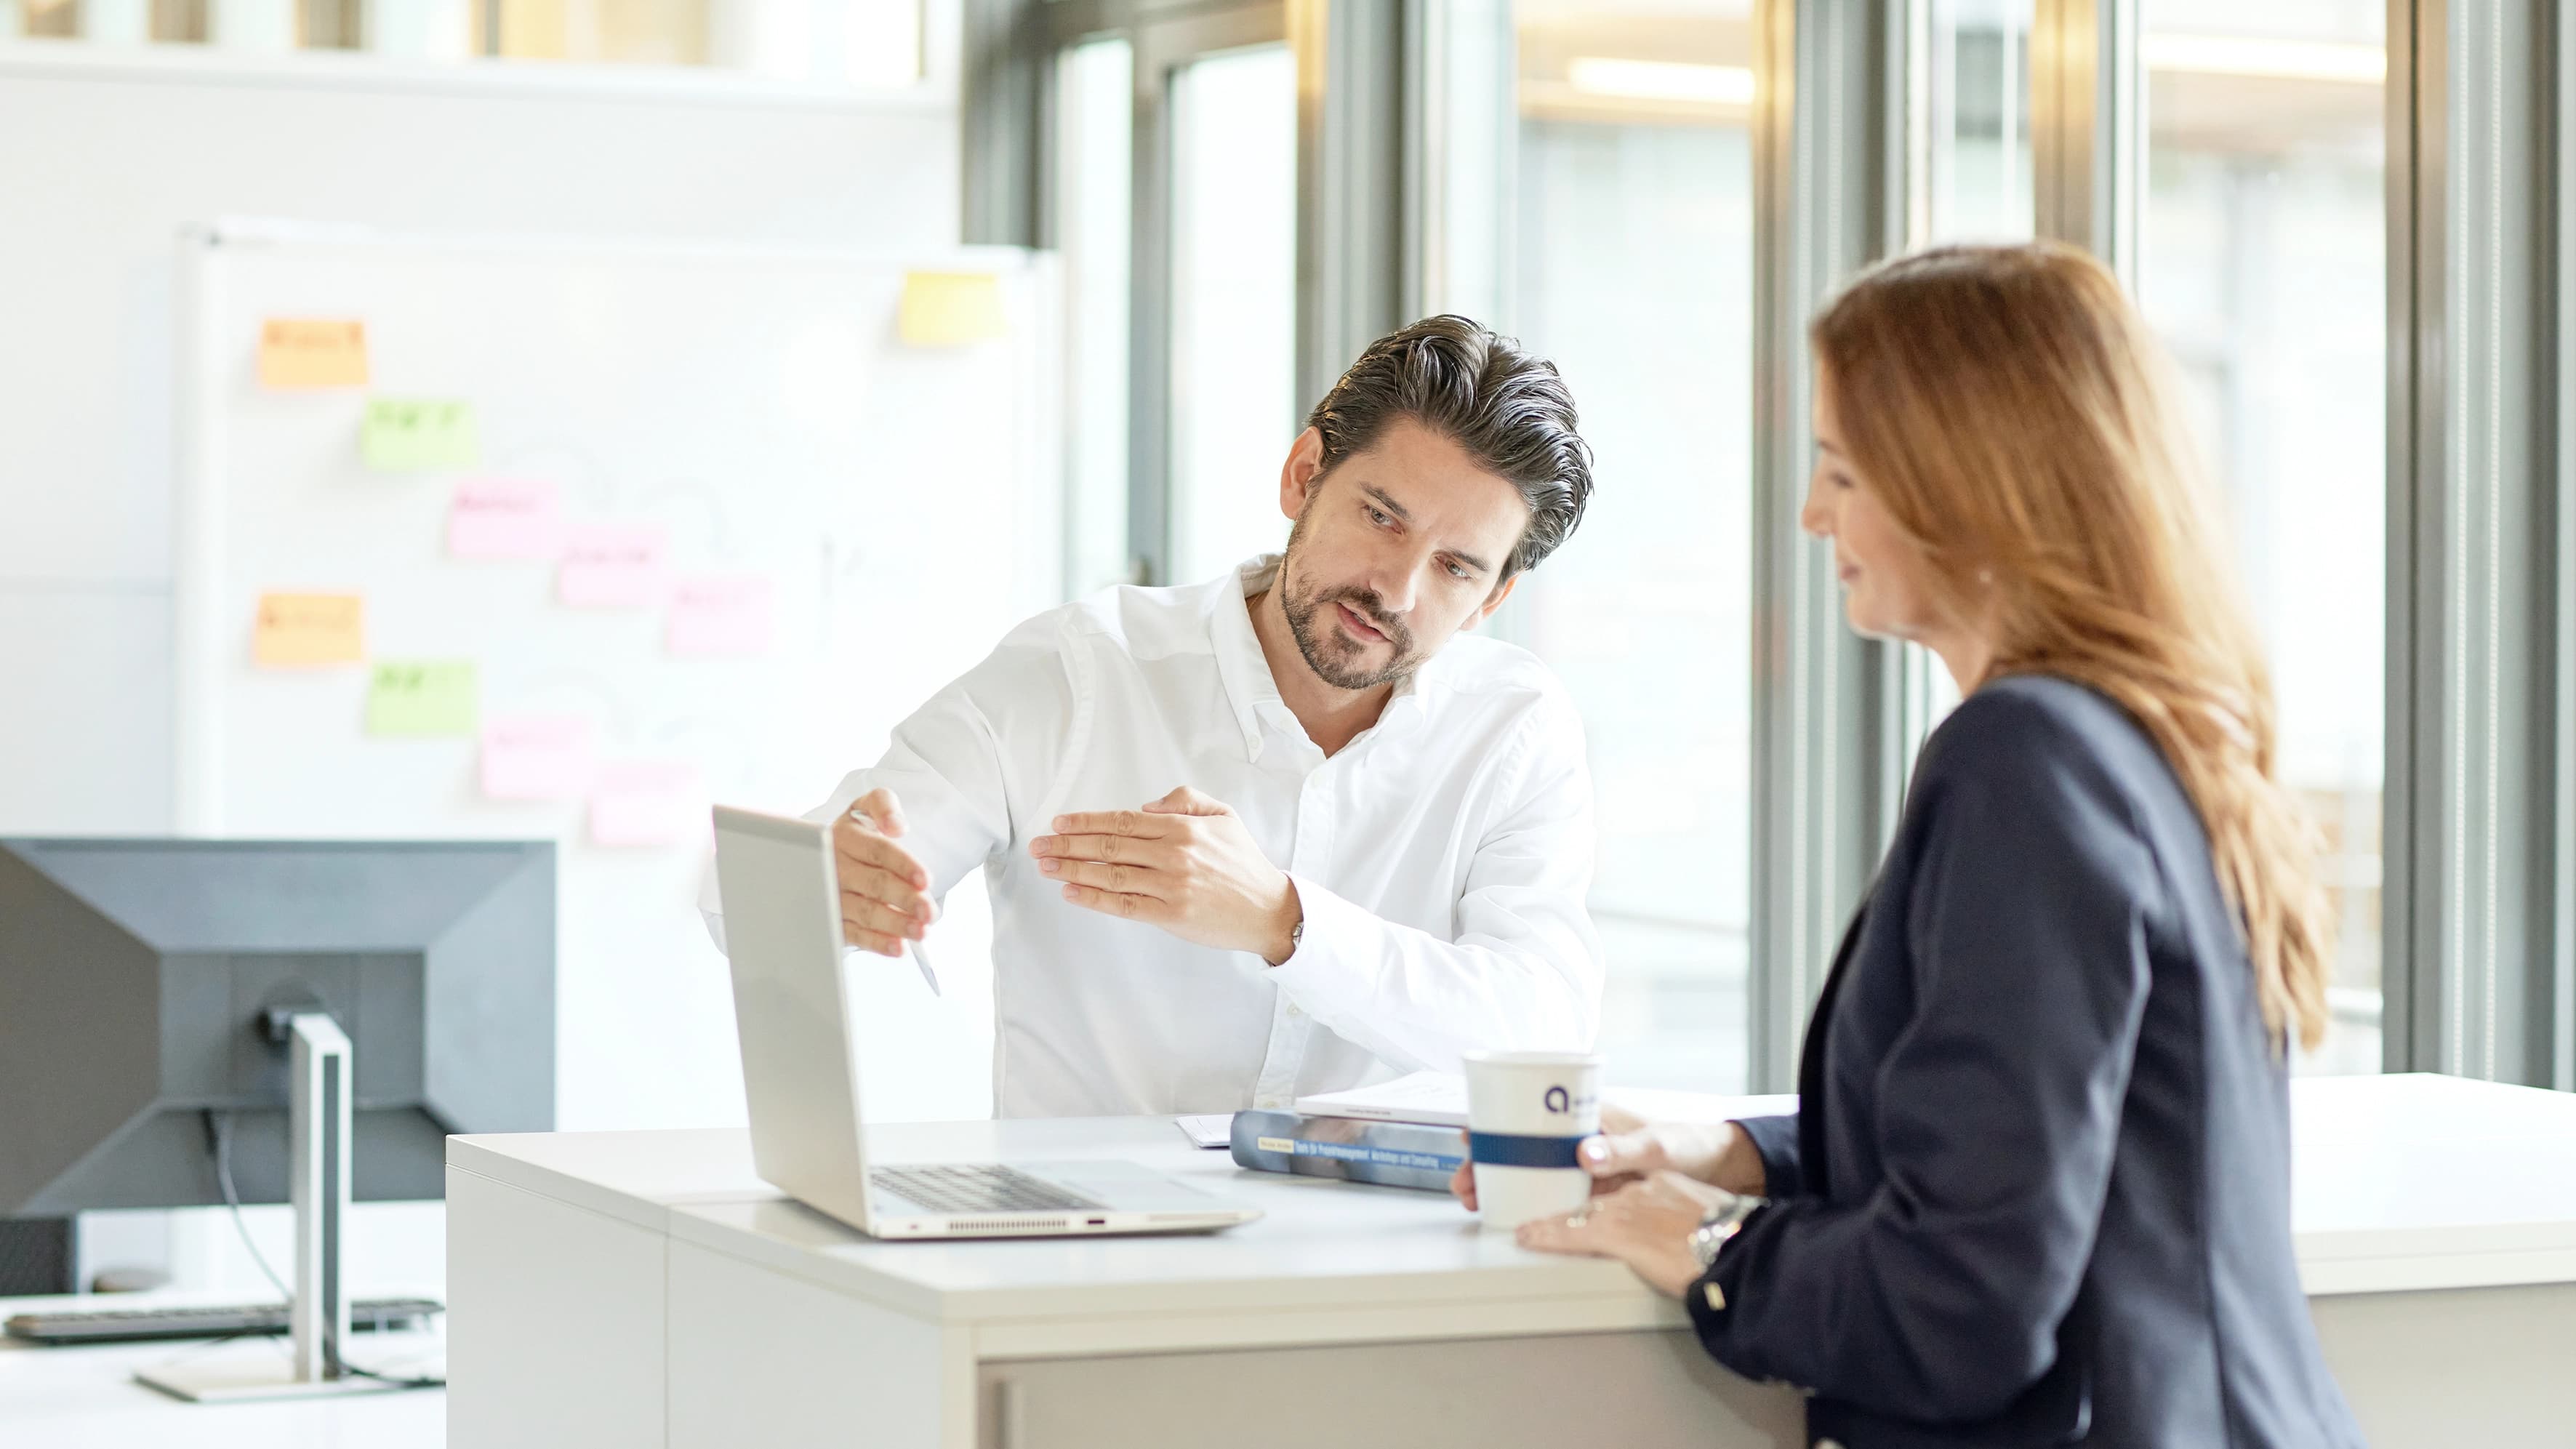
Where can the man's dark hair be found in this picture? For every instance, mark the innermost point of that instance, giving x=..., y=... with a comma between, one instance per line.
x=1507, y=408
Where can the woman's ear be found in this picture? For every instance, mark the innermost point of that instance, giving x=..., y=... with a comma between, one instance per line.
x=1298, y=475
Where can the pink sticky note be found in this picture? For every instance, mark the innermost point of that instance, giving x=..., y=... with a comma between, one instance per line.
x=505, y=518
x=647, y=802
x=726, y=617
x=613, y=566
x=537, y=756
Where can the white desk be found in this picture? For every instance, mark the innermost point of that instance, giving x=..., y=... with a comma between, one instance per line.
x=647, y=1289
x=86, y=1398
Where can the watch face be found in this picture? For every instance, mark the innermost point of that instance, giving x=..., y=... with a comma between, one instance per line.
x=1704, y=1244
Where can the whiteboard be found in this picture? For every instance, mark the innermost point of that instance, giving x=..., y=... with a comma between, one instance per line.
x=759, y=408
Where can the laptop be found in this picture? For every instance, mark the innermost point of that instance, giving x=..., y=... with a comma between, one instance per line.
x=782, y=920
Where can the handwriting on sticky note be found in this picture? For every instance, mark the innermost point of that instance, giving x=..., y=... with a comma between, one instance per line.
x=419, y=435
x=538, y=757
x=722, y=617
x=950, y=309
x=613, y=566
x=299, y=352
x=422, y=697
x=300, y=630
x=648, y=802
x=505, y=518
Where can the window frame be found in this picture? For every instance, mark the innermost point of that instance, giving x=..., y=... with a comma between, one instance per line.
x=2479, y=912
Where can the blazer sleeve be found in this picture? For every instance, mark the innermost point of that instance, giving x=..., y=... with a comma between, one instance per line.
x=1997, y=1106
x=1775, y=1141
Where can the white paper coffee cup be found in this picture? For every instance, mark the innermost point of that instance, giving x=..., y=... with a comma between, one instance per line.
x=1526, y=1114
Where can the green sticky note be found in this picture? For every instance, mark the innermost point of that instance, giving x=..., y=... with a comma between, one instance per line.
x=420, y=435
x=422, y=697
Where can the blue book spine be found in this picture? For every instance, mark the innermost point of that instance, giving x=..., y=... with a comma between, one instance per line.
x=1391, y=1154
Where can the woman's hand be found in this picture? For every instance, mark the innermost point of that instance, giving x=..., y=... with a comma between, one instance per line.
x=1631, y=1148
x=1619, y=1120
x=1646, y=1225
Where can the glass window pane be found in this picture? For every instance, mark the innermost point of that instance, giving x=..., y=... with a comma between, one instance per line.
x=1980, y=182
x=2265, y=269
x=1095, y=124
x=1234, y=288
x=1634, y=273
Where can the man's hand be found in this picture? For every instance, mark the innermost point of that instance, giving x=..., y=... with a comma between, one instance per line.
x=882, y=887
x=1184, y=863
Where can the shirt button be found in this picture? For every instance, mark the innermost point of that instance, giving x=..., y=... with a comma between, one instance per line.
x=1270, y=1101
x=1296, y=1012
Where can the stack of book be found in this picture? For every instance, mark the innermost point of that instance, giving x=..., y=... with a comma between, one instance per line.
x=1410, y=1132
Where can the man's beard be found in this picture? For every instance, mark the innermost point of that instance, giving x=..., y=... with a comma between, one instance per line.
x=1320, y=637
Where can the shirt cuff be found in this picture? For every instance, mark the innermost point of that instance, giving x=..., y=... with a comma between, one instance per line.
x=1333, y=967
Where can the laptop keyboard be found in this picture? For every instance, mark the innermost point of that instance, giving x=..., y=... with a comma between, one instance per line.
x=977, y=1187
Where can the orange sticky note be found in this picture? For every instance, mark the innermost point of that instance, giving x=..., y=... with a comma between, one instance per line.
x=950, y=309
x=309, y=352
x=298, y=630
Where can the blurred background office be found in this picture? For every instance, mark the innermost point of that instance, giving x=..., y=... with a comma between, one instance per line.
x=2348, y=218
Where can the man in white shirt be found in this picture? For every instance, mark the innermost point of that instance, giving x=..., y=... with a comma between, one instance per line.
x=1281, y=832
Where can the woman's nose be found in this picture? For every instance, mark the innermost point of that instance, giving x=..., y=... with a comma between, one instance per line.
x=1813, y=516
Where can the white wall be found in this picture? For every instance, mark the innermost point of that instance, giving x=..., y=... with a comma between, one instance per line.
x=106, y=158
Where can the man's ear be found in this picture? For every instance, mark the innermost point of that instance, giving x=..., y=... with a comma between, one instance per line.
x=1297, y=476
x=1494, y=600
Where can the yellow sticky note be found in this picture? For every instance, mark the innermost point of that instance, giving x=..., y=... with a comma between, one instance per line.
x=311, y=352
x=949, y=309
x=417, y=435
x=295, y=630
x=422, y=697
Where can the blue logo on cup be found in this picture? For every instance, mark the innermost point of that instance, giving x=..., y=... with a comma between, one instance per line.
x=1558, y=1102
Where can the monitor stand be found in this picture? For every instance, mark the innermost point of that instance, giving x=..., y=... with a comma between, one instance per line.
x=318, y=1186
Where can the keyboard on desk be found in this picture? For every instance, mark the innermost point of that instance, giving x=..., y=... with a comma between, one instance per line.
x=977, y=1187
x=118, y=1325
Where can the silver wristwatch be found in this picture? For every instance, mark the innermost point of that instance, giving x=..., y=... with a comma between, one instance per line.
x=1723, y=1222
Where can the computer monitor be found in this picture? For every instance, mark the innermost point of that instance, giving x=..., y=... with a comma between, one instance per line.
x=142, y=983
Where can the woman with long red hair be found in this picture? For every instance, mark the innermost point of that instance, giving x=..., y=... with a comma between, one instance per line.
x=2037, y=1187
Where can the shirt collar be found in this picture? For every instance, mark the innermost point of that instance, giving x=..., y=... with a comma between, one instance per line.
x=1254, y=692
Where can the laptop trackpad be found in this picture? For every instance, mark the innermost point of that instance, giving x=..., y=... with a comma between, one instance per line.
x=1123, y=1185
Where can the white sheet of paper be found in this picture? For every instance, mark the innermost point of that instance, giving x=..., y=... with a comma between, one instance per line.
x=1439, y=1098
x=1210, y=1129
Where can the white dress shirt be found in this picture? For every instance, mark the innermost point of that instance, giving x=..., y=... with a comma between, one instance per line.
x=1441, y=858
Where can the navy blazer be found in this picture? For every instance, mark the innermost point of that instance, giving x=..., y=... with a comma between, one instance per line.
x=2037, y=1190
